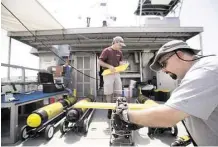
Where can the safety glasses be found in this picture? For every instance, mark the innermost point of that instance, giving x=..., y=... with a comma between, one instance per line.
x=164, y=60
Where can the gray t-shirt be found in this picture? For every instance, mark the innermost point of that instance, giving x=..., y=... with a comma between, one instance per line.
x=197, y=95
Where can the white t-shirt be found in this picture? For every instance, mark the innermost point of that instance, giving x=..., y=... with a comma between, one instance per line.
x=197, y=95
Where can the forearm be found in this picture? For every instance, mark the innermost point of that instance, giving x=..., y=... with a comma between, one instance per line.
x=103, y=64
x=153, y=117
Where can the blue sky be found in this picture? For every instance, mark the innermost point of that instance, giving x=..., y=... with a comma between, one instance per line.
x=202, y=13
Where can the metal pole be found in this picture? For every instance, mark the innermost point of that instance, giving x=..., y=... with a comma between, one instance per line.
x=140, y=12
x=140, y=64
x=23, y=80
x=9, y=57
x=180, y=7
x=201, y=43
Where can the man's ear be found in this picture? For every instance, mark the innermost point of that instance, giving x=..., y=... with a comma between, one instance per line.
x=180, y=54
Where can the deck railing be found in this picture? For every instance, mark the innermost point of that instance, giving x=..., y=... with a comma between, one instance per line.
x=23, y=81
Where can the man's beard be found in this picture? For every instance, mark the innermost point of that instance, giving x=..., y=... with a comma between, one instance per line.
x=172, y=75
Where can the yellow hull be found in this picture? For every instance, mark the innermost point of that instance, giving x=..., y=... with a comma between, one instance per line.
x=99, y=105
x=120, y=68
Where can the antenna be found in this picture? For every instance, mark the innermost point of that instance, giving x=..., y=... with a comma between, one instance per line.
x=88, y=21
x=104, y=23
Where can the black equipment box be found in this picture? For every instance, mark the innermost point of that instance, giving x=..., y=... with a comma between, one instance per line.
x=47, y=81
x=161, y=95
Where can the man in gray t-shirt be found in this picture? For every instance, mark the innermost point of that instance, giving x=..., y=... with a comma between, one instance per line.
x=195, y=100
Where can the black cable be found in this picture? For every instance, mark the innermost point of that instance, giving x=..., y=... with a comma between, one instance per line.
x=200, y=56
x=44, y=44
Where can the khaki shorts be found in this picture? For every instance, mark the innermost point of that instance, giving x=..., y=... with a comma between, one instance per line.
x=112, y=84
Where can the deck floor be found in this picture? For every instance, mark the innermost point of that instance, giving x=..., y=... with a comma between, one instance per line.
x=98, y=135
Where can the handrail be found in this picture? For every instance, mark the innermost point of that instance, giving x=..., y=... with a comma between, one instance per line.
x=22, y=67
x=23, y=82
x=19, y=83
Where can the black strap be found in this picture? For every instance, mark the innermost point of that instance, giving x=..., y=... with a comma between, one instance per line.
x=194, y=143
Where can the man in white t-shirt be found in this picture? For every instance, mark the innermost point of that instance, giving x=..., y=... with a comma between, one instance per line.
x=195, y=100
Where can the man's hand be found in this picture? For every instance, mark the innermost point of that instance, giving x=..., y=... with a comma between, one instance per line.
x=112, y=69
x=122, y=111
x=121, y=117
